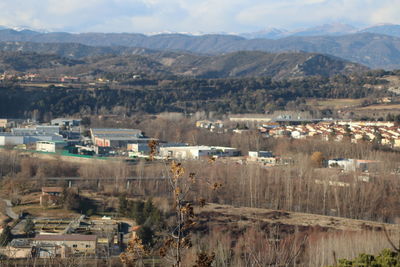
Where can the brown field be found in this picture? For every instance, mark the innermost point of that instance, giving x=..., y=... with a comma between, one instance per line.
x=247, y=216
x=334, y=103
x=30, y=204
x=381, y=107
x=41, y=85
x=38, y=211
x=329, y=238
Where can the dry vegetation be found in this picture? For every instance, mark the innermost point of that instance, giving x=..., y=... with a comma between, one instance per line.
x=335, y=103
x=253, y=233
x=260, y=215
x=389, y=107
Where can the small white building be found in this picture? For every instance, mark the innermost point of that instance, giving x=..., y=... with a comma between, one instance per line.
x=266, y=157
x=196, y=152
x=139, y=148
x=345, y=164
x=260, y=154
x=10, y=140
x=351, y=165
x=50, y=146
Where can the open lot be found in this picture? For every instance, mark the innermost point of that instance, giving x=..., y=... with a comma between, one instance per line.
x=247, y=216
x=381, y=107
x=334, y=103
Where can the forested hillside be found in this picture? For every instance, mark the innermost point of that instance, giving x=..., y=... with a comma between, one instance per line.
x=22, y=61
x=246, y=95
x=237, y=64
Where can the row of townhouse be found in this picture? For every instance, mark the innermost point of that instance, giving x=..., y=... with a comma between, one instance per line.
x=385, y=133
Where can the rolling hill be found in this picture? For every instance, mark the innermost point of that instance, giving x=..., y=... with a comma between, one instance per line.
x=230, y=65
x=24, y=61
x=370, y=49
x=255, y=63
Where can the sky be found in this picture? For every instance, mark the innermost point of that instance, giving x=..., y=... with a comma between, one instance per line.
x=205, y=16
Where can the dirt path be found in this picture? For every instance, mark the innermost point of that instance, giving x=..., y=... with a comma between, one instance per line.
x=8, y=209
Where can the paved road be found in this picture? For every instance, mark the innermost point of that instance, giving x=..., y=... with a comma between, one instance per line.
x=10, y=213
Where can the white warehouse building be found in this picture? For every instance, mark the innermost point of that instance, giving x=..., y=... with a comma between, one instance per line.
x=50, y=146
x=196, y=152
x=11, y=140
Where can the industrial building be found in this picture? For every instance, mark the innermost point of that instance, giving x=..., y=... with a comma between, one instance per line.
x=7, y=139
x=8, y=123
x=266, y=157
x=19, y=136
x=141, y=145
x=197, y=152
x=115, y=138
x=18, y=249
x=261, y=154
x=66, y=122
x=75, y=244
x=37, y=130
x=10, y=139
x=351, y=165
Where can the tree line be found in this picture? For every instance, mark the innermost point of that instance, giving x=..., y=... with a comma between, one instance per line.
x=235, y=95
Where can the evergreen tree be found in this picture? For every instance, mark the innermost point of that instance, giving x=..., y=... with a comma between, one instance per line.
x=146, y=234
x=123, y=205
x=137, y=212
x=5, y=236
x=29, y=226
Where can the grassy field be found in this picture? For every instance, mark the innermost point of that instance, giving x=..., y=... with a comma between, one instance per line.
x=381, y=107
x=334, y=103
x=41, y=85
x=38, y=211
x=30, y=204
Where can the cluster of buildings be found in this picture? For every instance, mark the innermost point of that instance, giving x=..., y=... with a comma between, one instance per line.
x=65, y=136
x=65, y=237
x=353, y=165
x=211, y=125
x=33, y=78
x=196, y=152
x=27, y=133
x=385, y=133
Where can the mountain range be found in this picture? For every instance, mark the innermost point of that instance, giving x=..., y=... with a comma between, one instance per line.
x=321, y=30
x=232, y=65
x=329, y=29
x=369, y=49
x=335, y=29
x=375, y=47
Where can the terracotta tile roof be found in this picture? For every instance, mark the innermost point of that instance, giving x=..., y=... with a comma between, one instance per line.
x=52, y=189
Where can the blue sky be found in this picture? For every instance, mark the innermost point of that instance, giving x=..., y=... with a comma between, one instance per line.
x=206, y=16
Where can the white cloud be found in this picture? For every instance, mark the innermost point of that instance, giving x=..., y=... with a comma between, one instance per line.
x=387, y=13
x=192, y=15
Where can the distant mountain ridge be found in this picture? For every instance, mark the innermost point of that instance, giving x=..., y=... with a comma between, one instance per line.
x=334, y=29
x=231, y=65
x=372, y=50
x=387, y=29
x=322, y=30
